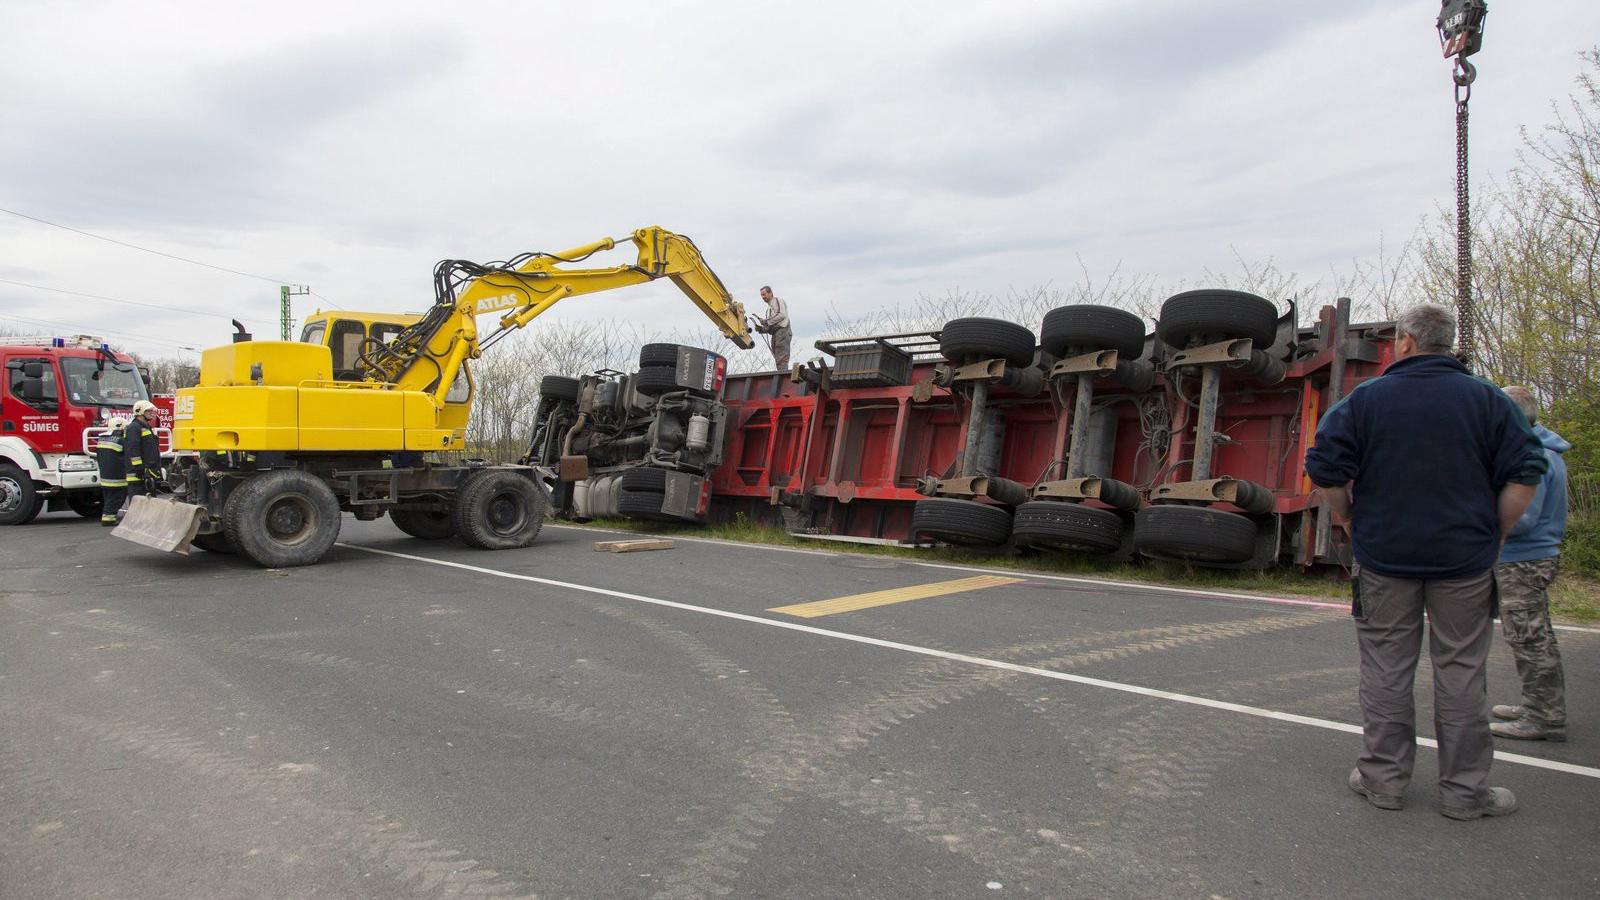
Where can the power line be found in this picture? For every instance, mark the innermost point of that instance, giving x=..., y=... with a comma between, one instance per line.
x=101, y=237
x=180, y=309
x=81, y=329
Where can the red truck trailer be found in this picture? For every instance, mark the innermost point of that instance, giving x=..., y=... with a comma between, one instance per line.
x=59, y=394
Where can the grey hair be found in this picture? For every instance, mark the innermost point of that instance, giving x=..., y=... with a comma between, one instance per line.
x=1526, y=401
x=1432, y=326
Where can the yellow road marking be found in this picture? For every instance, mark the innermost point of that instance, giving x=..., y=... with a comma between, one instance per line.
x=854, y=602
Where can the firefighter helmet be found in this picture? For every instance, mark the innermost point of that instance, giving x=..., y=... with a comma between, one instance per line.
x=143, y=408
x=116, y=423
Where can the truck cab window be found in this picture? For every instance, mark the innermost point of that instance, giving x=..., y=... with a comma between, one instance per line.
x=46, y=396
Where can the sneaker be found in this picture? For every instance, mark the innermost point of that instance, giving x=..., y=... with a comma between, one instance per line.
x=1501, y=711
x=1381, y=801
x=1501, y=802
x=1528, y=730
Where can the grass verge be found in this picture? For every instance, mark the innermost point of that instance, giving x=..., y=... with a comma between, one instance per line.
x=1575, y=598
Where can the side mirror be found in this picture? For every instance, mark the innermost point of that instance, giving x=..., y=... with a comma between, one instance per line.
x=33, y=370
x=32, y=389
x=144, y=374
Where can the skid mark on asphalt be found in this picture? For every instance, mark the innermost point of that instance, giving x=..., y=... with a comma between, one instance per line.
x=854, y=602
x=405, y=855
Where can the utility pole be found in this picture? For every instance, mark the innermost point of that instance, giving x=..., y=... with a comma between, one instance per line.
x=286, y=315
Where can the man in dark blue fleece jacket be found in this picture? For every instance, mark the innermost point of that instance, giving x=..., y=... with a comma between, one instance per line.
x=1432, y=467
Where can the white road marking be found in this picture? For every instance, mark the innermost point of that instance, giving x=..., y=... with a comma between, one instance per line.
x=1259, y=712
x=1070, y=579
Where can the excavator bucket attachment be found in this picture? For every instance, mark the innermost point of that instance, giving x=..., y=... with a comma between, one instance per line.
x=162, y=523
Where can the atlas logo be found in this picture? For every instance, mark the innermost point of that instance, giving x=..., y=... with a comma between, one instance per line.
x=503, y=301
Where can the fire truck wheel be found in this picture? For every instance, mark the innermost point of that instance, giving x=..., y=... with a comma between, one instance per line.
x=1217, y=315
x=658, y=355
x=1194, y=533
x=1089, y=328
x=215, y=542
x=498, y=510
x=645, y=479
x=1054, y=525
x=86, y=503
x=963, y=340
x=20, y=502
x=424, y=524
x=559, y=387
x=962, y=522
x=282, y=518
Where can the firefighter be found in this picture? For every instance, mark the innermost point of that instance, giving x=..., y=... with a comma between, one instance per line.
x=142, y=450
x=113, y=471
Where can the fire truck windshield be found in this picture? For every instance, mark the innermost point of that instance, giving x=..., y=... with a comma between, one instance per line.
x=89, y=383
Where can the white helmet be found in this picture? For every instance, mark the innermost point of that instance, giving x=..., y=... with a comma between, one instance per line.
x=143, y=407
x=116, y=423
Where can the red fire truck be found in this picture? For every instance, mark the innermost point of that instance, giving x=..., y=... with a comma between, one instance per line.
x=59, y=394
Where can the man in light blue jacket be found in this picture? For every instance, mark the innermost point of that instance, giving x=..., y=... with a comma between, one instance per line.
x=1526, y=568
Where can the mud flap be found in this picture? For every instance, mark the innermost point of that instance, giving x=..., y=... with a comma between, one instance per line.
x=161, y=523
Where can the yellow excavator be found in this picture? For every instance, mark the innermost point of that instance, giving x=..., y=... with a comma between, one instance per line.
x=281, y=437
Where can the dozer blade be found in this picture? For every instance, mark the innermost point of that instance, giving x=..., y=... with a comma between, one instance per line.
x=161, y=523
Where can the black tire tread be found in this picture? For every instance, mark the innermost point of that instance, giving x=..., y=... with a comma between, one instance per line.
x=644, y=479
x=560, y=387
x=245, y=530
x=86, y=503
x=469, y=511
x=1195, y=533
x=961, y=522
x=1219, y=313
x=24, y=513
x=1056, y=525
x=1092, y=327
x=424, y=524
x=966, y=339
x=658, y=355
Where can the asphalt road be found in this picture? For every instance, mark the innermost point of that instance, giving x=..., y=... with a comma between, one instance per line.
x=565, y=723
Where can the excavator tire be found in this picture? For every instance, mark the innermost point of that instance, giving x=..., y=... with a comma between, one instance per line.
x=658, y=355
x=1054, y=525
x=1195, y=533
x=215, y=542
x=962, y=340
x=282, y=518
x=424, y=524
x=560, y=387
x=1220, y=315
x=1090, y=327
x=498, y=509
x=962, y=522
x=85, y=503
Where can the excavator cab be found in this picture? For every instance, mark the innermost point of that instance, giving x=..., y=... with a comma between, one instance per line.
x=348, y=335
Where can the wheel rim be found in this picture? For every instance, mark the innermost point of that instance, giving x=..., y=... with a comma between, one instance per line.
x=10, y=494
x=291, y=519
x=505, y=513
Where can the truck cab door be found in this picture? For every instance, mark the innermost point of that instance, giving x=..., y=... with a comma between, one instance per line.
x=31, y=400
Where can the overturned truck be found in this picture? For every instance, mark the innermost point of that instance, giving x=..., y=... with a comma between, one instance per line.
x=1093, y=434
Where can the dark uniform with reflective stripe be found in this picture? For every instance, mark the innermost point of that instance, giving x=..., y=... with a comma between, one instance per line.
x=113, y=476
x=142, y=450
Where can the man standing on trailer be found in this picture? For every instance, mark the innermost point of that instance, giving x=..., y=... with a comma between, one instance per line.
x=1527, y=566
x=1432, y=467
x=776, y=323
x=142, y=449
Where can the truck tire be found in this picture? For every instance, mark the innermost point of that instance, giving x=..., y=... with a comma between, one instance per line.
x=560, y=387
x=86, y=503
x=658, y=355
x=1090, y=328
x=282, y=518
x=1217, y=314
x=1194, y=533
x=1054, y=525
x=20, y=502
x=962, y=340
x=962, y=522
x=645, y=479
x=424, y=524
x=653, y=381
x=640, y=504
x=498, y=509
x=215, y=542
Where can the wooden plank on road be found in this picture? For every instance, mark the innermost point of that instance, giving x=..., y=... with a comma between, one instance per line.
x=854, y=602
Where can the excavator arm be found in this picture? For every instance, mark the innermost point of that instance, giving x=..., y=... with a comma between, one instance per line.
x=428, y=355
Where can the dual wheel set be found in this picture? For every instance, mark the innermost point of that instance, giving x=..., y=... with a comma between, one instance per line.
x=1182, y=531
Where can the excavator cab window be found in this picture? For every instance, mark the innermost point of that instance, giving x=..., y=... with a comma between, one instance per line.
x=313, y=333
x=345, y=342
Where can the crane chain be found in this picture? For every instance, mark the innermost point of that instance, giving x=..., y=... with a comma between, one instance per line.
x=1465, y=314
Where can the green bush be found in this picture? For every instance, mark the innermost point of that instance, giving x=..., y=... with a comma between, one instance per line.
x=1580, y=552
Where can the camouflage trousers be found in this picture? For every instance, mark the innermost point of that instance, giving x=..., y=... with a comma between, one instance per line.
x=1525, y=621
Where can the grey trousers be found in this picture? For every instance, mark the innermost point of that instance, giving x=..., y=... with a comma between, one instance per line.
x=1389, y=632
x=781, y=339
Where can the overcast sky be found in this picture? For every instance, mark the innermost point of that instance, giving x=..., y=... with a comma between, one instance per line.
x=854, y=154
